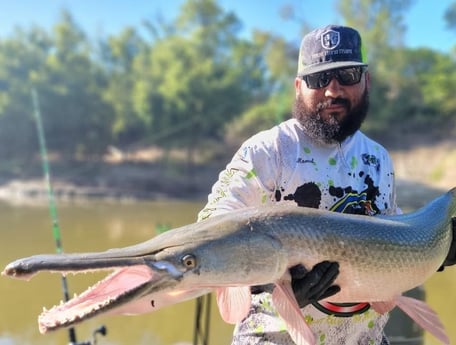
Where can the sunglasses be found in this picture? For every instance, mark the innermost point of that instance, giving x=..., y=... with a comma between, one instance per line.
x=345, y=76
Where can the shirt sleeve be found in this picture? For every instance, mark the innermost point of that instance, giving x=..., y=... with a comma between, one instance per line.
x=248, y=180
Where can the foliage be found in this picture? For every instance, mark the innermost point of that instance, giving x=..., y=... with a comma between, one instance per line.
x=450, y=16
x=259, y=117
x=409, y=86
x=59, y=66
x=196, y=80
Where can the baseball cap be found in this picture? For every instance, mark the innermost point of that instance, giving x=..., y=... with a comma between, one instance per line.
x=330, y=47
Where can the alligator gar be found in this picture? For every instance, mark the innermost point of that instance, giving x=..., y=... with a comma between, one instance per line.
x=379, y=257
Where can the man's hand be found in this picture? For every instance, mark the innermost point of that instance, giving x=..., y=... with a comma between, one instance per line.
x=316, y=284
x=451, y=257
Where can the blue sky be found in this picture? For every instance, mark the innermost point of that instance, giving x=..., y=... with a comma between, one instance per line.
x=426, y=26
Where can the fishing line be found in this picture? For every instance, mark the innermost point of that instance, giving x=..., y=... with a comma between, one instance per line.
x=51, y=198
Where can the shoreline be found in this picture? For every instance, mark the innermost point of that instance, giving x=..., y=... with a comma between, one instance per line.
x=410, y=194
x=421, y=174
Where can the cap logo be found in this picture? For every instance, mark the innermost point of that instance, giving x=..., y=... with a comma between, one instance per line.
x=330, y=47
x=330, y=39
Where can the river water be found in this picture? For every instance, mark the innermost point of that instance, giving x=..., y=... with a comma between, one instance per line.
x=96, y=226
x=93, y=226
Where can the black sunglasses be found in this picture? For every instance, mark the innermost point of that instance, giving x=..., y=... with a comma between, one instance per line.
x=345, y=76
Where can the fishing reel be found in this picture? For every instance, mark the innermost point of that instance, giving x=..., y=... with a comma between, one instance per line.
x=100, y=330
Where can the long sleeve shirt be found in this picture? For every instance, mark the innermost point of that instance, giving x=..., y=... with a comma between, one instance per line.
x=284, y=165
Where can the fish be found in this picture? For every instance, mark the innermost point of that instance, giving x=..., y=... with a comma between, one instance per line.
x=379, y=258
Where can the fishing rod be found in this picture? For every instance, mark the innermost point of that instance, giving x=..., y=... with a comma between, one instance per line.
x=53, y=213
x=202, y=310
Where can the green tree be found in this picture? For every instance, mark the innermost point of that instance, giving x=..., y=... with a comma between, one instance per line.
x=193, y=79
x=439, y=83
x=70, y=87
x=397, y=83
x=118, y=56
x=276, y=63
x=22, y=57
x=450, y=16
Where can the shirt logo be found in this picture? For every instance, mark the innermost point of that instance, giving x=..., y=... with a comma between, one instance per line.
x=330, y=39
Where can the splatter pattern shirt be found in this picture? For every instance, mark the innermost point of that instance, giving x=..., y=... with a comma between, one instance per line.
x=284, y=165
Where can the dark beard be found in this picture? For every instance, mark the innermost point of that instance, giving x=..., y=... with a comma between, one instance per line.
x=331, y=131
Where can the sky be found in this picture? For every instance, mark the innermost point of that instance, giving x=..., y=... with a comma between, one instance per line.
x=425, y=22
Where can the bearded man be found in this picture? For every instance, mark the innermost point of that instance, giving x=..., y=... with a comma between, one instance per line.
x=319, y=158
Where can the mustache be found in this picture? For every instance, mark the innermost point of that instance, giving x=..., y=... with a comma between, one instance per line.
x=341, y=101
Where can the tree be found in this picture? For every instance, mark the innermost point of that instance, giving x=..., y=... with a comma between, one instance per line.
x=118, y=56
x=396, y=96
x=276, y=63
x=193, y=79
x=70, y=87
x=450, y=16
x=17, y=128
x=439, y=83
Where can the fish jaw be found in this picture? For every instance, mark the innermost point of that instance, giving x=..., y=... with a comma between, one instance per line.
x=123, y=286
x=172, y=267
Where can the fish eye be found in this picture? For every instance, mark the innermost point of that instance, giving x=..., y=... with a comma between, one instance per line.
x=189, y=261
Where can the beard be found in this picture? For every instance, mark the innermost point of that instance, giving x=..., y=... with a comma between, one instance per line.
x=331, y=130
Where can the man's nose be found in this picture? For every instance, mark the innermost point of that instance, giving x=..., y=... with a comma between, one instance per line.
x=334, y=89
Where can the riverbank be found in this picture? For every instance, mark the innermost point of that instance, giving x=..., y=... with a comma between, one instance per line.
x=130, y=178
x=422, y=172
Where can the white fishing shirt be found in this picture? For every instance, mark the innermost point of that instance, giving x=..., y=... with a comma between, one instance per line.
x=284, y=165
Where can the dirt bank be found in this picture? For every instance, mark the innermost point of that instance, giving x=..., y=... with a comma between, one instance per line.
x=422, y=172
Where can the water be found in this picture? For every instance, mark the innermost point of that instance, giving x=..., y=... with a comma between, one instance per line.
x=96, y=226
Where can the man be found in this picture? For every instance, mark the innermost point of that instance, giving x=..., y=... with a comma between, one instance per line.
x=319, y=159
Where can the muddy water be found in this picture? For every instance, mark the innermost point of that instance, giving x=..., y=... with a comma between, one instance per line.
x=96, y=226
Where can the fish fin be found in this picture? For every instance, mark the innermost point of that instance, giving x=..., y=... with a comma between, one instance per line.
x=424, y=316
x=286, y=305
x=383, y=307
x=234, y=303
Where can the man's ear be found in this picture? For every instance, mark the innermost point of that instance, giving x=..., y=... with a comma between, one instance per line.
x=368, y=80
x=297, y=84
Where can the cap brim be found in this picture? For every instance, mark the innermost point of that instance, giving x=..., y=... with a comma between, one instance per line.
x=327, y=66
